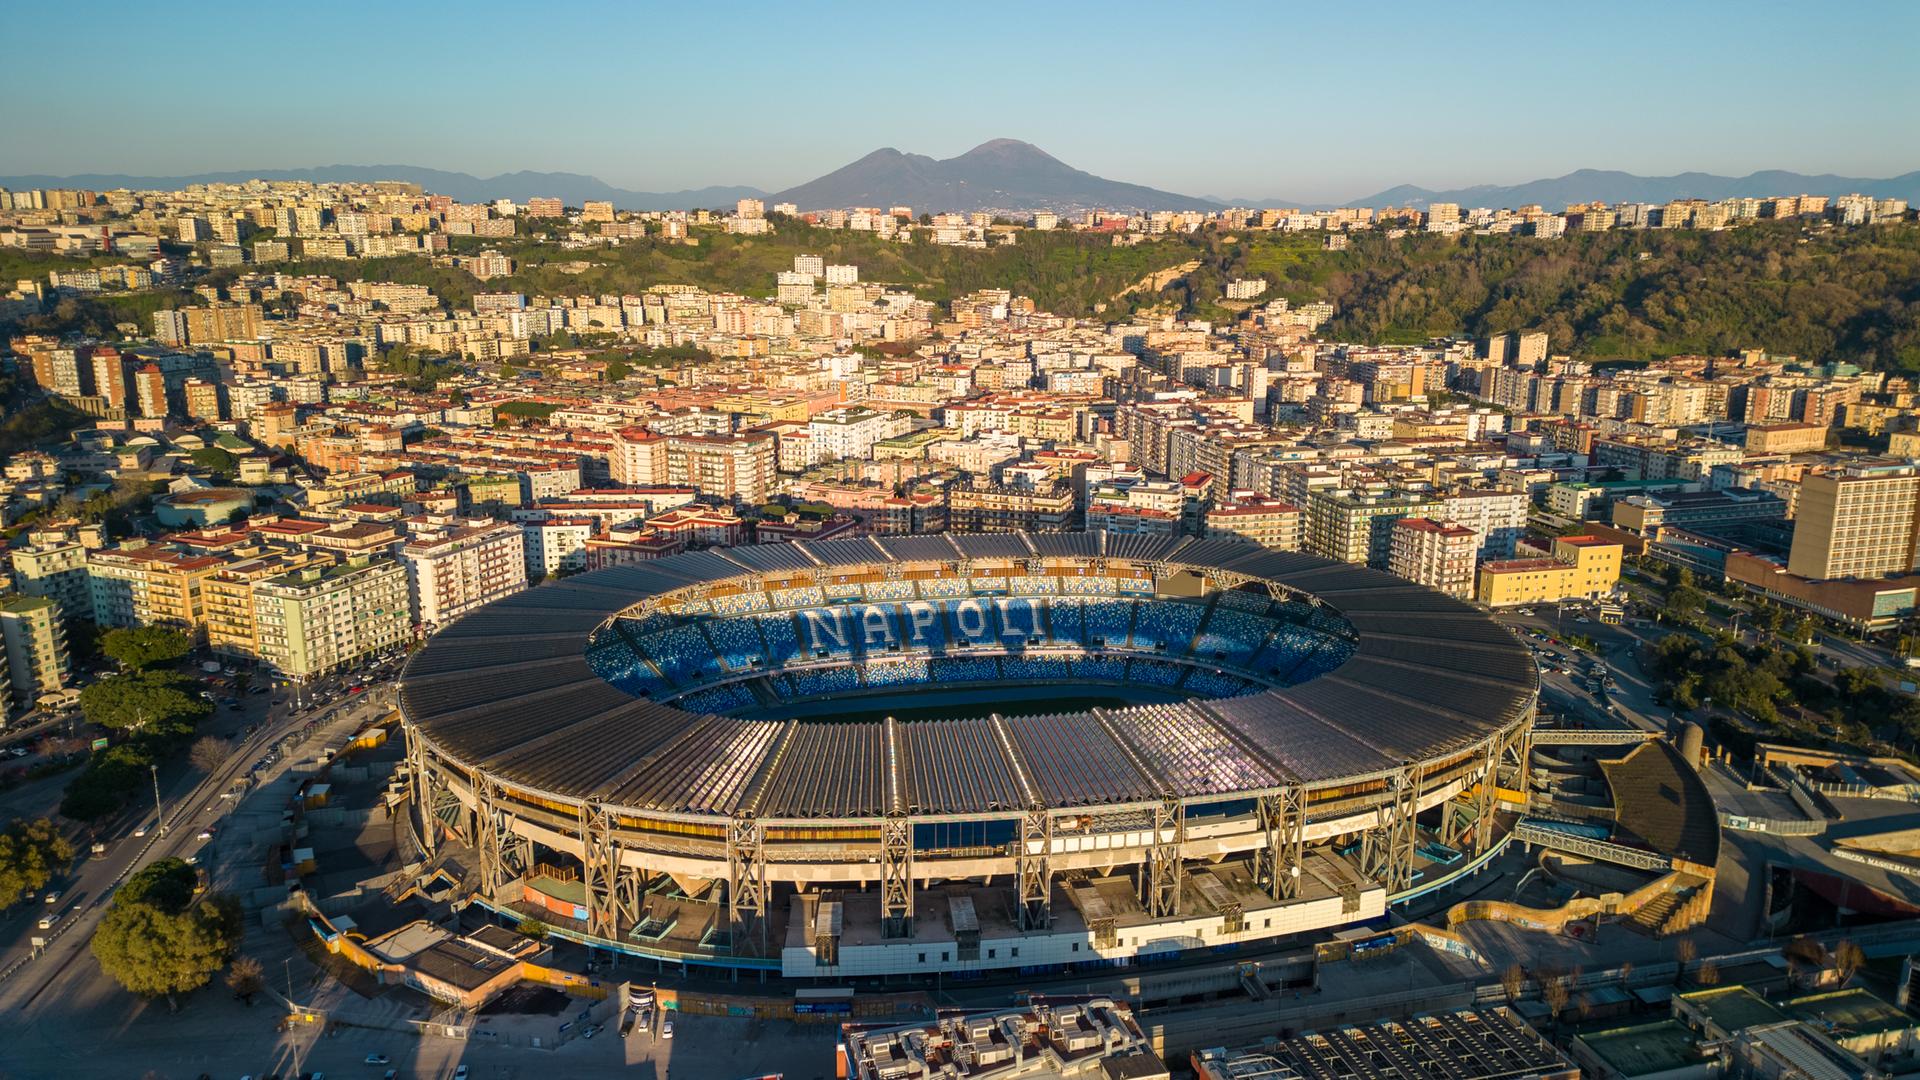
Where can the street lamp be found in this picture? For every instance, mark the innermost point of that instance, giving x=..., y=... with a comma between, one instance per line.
x=159, y=809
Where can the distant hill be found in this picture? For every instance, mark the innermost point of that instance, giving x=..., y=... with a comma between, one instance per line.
x=1587, y=185
x=571, y=188
x=1004, y=174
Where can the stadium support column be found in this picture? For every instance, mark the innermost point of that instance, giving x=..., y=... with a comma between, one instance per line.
x=896, y=876
x=1489, y=794
x=600, y=870
x=1283, y=826
x=1163, y=858
x=1036, y=869
x=504, y=855
x=747, y=877
x=1386, y=849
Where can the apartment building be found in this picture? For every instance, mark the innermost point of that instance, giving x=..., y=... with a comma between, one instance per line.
x=1358, y=528
x=1856, y=522
x=145, y=586
x=35, y=645
x=1497, y=518
x=57, y=570
x=1578, y=568
x=555, y=545
x=1437, y=554
x=987, y=507
x=738, y=467
x=456, y=565
x=324, y=618
x=1271, y=523
x=227, y=599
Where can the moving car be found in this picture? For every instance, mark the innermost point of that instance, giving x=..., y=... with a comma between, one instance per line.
x=376, y=1059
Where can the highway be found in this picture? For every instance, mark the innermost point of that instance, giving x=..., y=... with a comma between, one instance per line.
x=191, y=804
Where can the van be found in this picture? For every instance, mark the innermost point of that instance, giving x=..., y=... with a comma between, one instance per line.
x=47, y=920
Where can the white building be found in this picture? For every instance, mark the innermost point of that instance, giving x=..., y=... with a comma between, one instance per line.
x=455, y=565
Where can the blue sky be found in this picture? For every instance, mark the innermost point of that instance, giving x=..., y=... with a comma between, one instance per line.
x=1311, y=102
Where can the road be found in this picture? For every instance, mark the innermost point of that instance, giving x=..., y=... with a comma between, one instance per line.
x=191, y=803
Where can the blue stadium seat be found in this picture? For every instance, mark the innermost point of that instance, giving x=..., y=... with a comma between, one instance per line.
x=736, y=643
x=1103, y=668
x=1153, y=672
x=946, y=669
x=1068, y=620
x=810, y=681
x=1035, y=667
x=905, y=672
x=1166, y=624
x=717, y=699
x=1232, y=637
x=681, y=653
x=1108, y=621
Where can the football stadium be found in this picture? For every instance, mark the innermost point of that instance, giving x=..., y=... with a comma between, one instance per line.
x=959, y=753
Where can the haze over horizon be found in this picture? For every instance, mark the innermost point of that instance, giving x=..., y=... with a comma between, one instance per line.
x=1493, y=96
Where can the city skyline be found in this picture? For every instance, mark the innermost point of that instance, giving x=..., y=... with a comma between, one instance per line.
x=1325, y=121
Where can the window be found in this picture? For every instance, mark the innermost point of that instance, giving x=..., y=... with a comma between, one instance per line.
x=923, y=958
x=1015, y=952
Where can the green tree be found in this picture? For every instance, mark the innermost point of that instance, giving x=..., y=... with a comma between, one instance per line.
x=533, y=928
x=31, y=852
x=213, y=459
x=153, y=701
x=156, y=944
x=145, y=646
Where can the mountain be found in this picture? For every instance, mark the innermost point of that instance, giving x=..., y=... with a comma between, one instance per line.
x=571, y=188
x=1587, y=185
x=1004, y=174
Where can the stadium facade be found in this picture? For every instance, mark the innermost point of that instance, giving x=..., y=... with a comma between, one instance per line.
x=660, y=758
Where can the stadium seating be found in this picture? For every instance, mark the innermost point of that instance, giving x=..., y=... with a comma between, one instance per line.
x=717, y=699
x=809, y=681
x=681, y=653
x=896, y=672
x=736, y=643
x=1103, y=668
x=1231, y=636
x=1016, y=666
x=1108, y=621
x=963, y=669
x=1166, y=624
x=1153, y=672
x=782, y=640
x=740, y=603
x=1217, y=684
x=890, y=590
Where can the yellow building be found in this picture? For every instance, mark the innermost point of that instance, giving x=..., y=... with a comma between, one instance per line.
x=1580, y=568
x=227, y=599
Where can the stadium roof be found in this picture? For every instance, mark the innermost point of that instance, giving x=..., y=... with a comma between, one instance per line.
x=508, y=689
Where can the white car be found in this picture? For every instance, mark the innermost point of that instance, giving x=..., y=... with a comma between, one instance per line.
x=53, y=896
x=141, y=831
x=666, y=1029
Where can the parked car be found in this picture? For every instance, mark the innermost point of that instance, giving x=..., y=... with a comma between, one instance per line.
x=666, y=1028
x=376, y=1059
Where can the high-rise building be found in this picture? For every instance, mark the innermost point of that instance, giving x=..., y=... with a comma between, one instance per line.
x=1268, y=522
x=1358, y=528
x=1856, y=522
x=1437, y=554
x=454, y=566
x=57, y=570
x=319, y=619
x=36, y=647
x=150, y=391
x=985, y=507
x=738, y=467
x=227, y=599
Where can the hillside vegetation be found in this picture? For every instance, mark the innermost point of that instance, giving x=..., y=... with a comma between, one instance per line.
x=1850, y=295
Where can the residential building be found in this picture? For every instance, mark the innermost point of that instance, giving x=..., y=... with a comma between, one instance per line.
x=738, y=467
x=1358, y=528
x=323, y=618
x=35, y=641
x=1271, y=523
x=456, y=565
x=227, y=599
x=986, y=507
x=1579, y=568
x=1437, y=554
x=56, y=568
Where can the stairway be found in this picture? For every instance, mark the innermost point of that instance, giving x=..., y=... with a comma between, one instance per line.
x=1652, y=917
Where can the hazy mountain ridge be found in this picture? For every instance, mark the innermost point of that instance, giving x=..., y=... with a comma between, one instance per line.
x=572, y=188
x=1003, y=174
x=1006, y=174
x=1587, y=185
